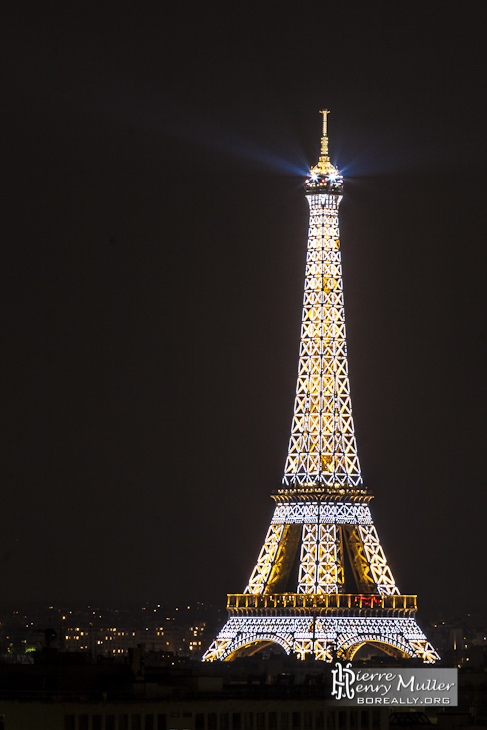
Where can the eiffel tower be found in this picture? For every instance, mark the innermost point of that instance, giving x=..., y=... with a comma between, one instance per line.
x=322, y=541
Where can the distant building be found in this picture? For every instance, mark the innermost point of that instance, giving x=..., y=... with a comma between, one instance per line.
x=115, y=641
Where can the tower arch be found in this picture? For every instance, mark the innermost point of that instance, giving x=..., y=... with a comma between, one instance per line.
x=250, y=644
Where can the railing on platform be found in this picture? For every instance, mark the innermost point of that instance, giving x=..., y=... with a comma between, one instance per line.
x=321, y=601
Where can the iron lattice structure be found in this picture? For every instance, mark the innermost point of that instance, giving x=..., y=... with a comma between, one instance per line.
x=322, y=540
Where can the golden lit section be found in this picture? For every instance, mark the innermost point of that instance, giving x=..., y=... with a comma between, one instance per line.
x=321, y=566
x=381, y=573
x=265, y=561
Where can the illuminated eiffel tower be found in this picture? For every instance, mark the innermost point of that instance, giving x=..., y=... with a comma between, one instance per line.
x=322, y=542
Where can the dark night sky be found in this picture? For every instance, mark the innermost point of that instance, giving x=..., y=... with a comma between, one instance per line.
x=153, y=243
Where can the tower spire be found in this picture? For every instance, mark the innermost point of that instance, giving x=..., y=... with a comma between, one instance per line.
x=324, y=166
x=324, y=138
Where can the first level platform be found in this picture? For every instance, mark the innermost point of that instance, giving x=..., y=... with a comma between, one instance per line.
x=323, y=626
x=380, y=604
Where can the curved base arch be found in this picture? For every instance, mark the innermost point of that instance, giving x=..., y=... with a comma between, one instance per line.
x=384, y=645
x=250, y=644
